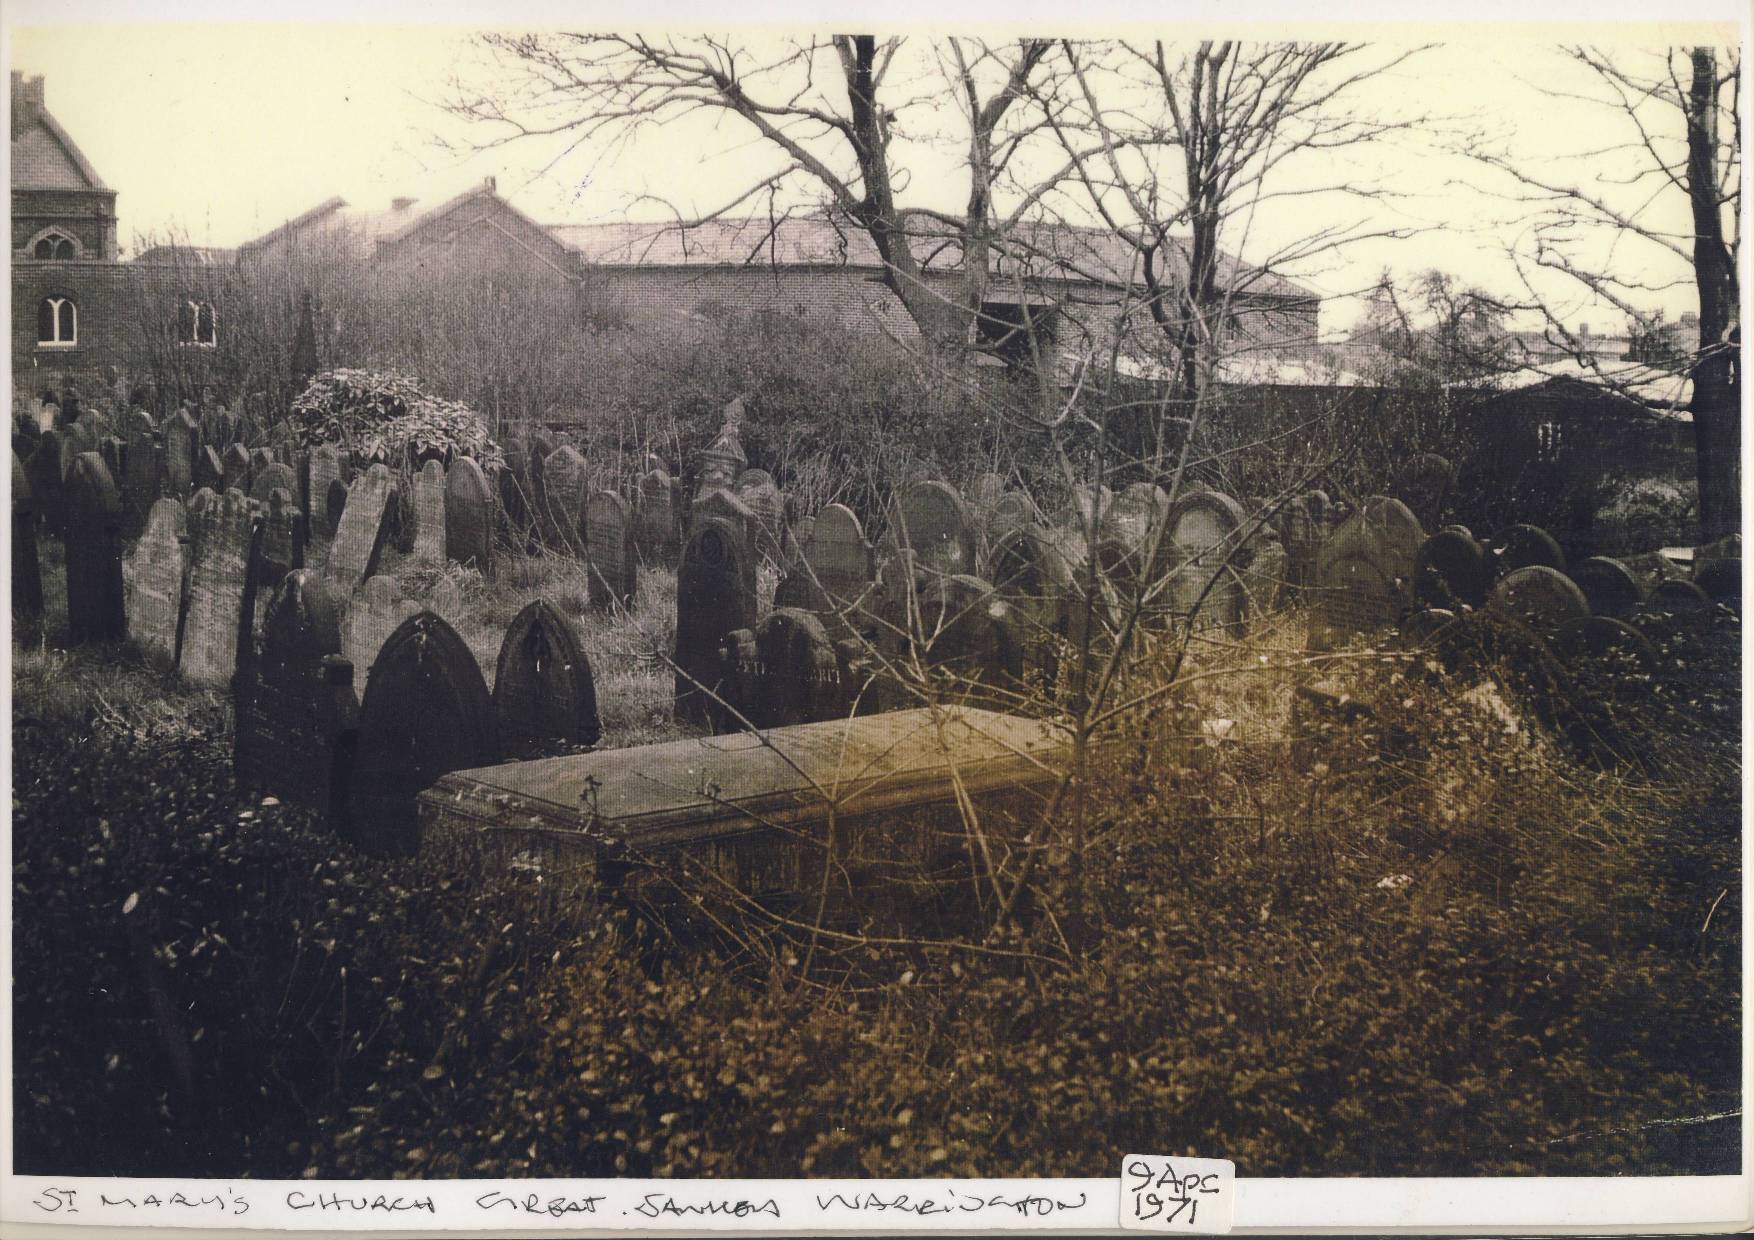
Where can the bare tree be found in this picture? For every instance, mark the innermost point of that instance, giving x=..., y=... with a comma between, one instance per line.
x=838, y=115
x=1675, y=120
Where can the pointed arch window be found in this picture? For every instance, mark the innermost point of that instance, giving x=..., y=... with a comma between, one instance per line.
x=54, y=245
x=57, y=323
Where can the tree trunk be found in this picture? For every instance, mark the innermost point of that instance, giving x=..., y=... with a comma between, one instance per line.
x=1717, y=385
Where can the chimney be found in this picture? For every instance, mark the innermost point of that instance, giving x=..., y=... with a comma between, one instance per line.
x=402, y=204
x=27, y=101
x=490, y=184
x=1583, y=331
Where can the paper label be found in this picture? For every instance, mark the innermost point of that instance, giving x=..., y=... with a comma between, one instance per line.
x=1195, y=1196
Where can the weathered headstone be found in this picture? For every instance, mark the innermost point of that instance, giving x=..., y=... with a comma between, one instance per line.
x=289, y=740
x=1138, y=515
x=48, y=491
x=260, y=459
x=1200, y=552
x=154, y=577
x=1677, y=598
x=718, y=465
x=1721, y=579
x=1086, y=508
x=282, y=541
x=1365, y=572
x=1303, y=524
x=27, y=577
x=375, y=611
x=784, y=672
x=656, y=536
x=110, y=449
x=756, y=488
x=1611, y=588
x=220, y=536
x=1608, y=641
x=210, y=471
x=544, y=699
x=1423, y=484
x=142, y=461
x=1543, y=598
x=720, y=503
x=564, y=490
x=715, y=593
x=930, y=519
x=325, y=470
x=365, y=524
x=1524, y=546
x=182, y=440
x=426, y=712
x=966, y=635
x=96, y=609
x=611, y=561
x=333, y=507
x=272, y=477
x=1451, y=569
x=836, y=572
x=469, y=516
x=429, y=512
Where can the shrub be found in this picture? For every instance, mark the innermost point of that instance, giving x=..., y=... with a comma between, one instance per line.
x=384, y=418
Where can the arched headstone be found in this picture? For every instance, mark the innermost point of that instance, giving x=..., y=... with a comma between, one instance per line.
x=290, y=740
x=272, y=477
x=1423, y=484
x=1677, y=598
x=220, y=535
x=835, y=572
x=564, y=491
x=783, y=673
x=544, y=699
x=931, y=520
x=154, y=578
x=1543, y=598
x=1611, y=588
x=655, y=532
x=1606, y=640
x=283, y=538
x=1526, y=546
x=96, y=610
x=611, y=561
x=429, y=512
x=426, y=712
x=1200, y=548
x=715, y=593
x=469, y=516
x=1451, y=569
x=365, y=524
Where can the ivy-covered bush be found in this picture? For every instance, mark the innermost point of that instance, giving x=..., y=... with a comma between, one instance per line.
x=382, y=417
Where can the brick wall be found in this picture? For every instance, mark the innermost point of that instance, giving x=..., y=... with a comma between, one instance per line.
x=89, y=216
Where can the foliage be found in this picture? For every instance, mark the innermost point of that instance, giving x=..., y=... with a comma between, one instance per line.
x=384, y=418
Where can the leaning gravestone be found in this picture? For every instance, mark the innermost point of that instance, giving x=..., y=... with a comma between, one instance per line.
x=209, y=470
x=715, y=593
x=1450, y=570
x=784, y=672
x=375, y=611
x=1543, y=598
x=468, y=517
x=1524, y=546
x=756, y=488
x=544, y=699
x=96, y=609
x=1423, y=484
x=365, y=524
x=235, y=464
x=655, y=532
x=287, y=741
x=27, y=577
x=154, y=576
x=333, y=507
x=564, y=488
x=325, y=470
x=931, y=520
x=260, y=459
x=1609, y=642
x=429, y=512
x=1677, y=598
x=426, y=712
x=182, y=440
x=610, y=557
x=48, y=492
x=220, y=535
x=1611, y=588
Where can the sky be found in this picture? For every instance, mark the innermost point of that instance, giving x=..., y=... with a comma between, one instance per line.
x=216, y=132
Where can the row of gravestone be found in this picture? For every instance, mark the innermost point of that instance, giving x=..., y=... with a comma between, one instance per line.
x=304, y=735
x=547, y=501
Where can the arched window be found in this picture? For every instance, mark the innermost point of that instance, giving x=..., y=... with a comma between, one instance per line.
x=54, y=244
x=57, y=322
x=197, y=324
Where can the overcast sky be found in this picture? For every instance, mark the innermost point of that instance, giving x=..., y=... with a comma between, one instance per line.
x=217, y=133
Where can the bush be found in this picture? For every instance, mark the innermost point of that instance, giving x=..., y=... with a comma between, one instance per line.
x=384, y=418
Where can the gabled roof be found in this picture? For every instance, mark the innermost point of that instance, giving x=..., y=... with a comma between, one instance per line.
x=818, y=239
x=44, y=156
x=296, y=224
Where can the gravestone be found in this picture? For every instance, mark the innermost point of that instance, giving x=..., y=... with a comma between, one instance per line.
x=1267, y=580
x=282, y=539
x=429, y=512
x=836, y=572
x=96, y=608
x=142, y=461
x=1450, y=570
x=48, y=492
x=756, y=488
x=27, y=576
x=564, y=488
x=544, y=699
x=1525, y=546
x=1677, y=598
x=984, y=490
x=1607, y=641
x=1365, y=572
x=154, y=577
x=220, y=536
x=930, y=519
x=274, y=476
x=1423, y=484
x=375, y=611
x=1721, y=579
x=365, y=524
x=1303, y=524
x=182, y=441
x=235, y=465
x=968, y=639
x=289, y=740
x=784, y=672
x=110, y=449
x=656, y=536
x=1200, y=552
x=721, y=504
x=1611, y=588
x=609, y=550
x=1011, y=511
x=469, y=517
x=260, y=459
x=325, y=470
x=209, y=470
x=1543, y=598
x=426, y=712
x=715, y=593
x=1086, y=508
x=717, y=466
x=333, y=507
x=1138, y=514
